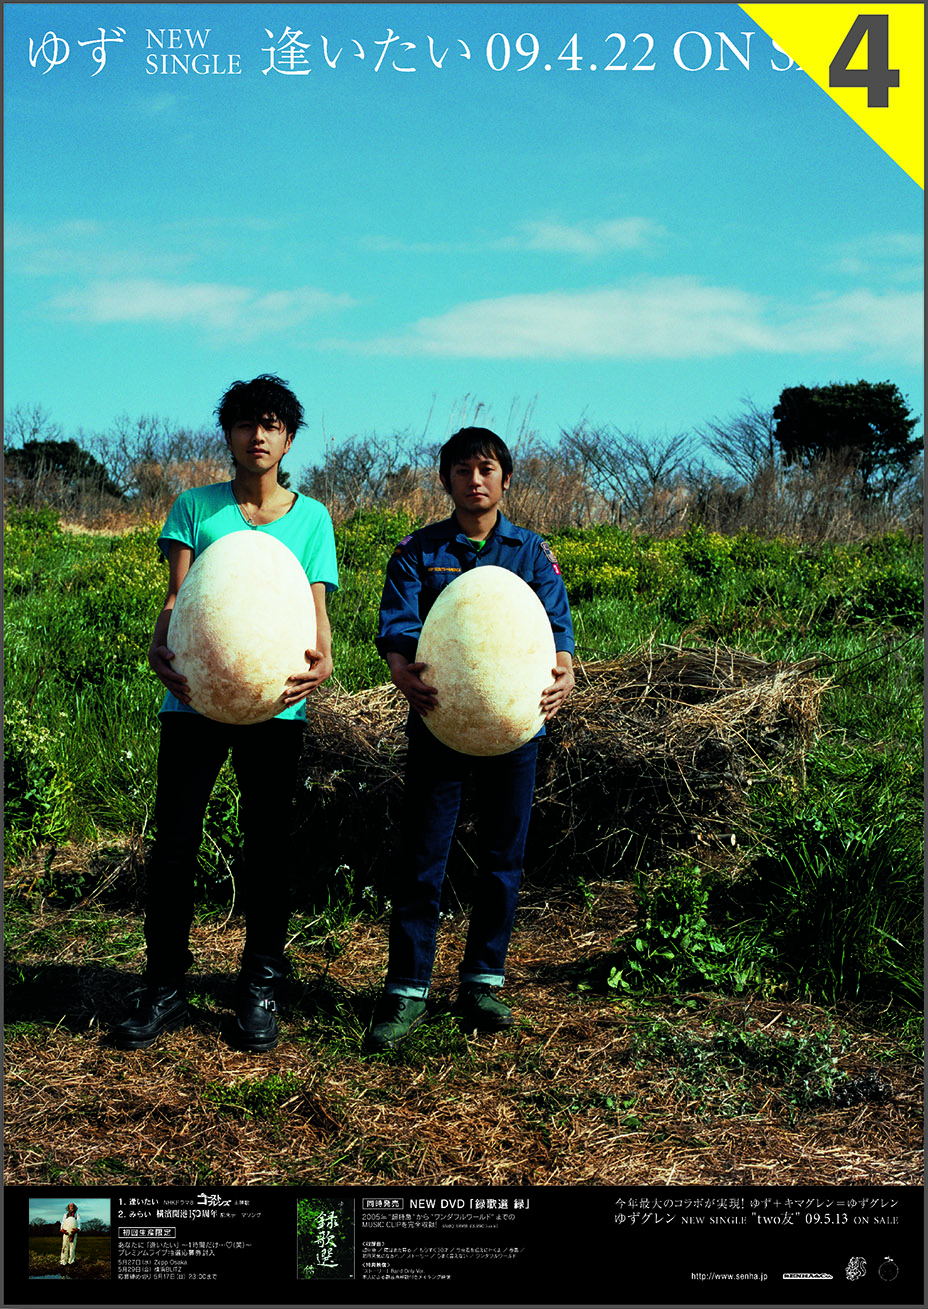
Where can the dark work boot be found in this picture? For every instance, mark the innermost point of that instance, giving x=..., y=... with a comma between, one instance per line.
x=478, y=1007
x=161, y=1007
x=395, y=1016
x=255, y=1025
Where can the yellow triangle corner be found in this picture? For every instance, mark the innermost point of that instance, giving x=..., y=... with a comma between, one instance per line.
x=879, y=50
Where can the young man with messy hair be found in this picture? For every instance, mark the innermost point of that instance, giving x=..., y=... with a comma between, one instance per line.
x=259, y=420
x=475, y=469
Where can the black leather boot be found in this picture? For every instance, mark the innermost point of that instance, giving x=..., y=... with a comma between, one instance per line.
x=255, y=1024
x=161, y=1007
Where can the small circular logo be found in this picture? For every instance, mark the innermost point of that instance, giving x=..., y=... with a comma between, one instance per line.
x=888, y=1270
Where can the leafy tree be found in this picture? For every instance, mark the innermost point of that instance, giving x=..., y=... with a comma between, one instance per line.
x=866, y=426
x=63, y=463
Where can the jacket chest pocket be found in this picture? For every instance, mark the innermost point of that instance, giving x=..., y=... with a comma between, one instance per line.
x=436, y=581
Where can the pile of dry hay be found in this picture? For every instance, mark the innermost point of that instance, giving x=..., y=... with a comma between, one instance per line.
x=653, y=754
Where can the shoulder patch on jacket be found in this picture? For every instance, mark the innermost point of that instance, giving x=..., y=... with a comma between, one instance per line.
x=399, y=547
x=549, y=554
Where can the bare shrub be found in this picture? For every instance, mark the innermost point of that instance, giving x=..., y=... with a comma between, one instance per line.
x=641, y=481
x=745, y=442
x=823, y=501
x=601, y=475
x=42, y=469
x=152, y=459
x=370, y=472
x=550, y=490
x=828, y=494
x=44, y=485
x=26, y=423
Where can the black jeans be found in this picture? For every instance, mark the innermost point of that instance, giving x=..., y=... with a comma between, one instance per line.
x=264, y=759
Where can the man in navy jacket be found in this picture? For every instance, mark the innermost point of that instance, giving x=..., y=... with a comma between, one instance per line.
x=475, y=468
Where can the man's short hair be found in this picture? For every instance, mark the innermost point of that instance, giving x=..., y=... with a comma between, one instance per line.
x=470, y=441
x=266, y=396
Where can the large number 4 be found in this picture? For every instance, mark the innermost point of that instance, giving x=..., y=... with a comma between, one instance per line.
x=877, y=77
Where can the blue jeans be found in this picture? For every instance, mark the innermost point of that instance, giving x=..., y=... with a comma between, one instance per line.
x=264, y=758
x=503, y=787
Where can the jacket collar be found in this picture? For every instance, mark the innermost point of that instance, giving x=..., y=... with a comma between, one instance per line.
x=449, y=528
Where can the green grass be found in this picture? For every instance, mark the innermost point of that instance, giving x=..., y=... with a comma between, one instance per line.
x=674, y=946
x=90, y=1246
x=729, y=1072
x=836, y=889
x=260, y=1097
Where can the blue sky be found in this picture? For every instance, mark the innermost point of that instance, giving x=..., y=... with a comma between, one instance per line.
x=639, y=247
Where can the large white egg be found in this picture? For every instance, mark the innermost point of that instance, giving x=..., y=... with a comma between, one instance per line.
x=489, y=650
x=242, y=623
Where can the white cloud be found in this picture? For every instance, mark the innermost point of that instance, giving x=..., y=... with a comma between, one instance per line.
x=396, y=245
x=886, y=245
x=87, y=249
x=227, y=310
x=877, y=326
x=591, y=238
x=157, y=105
x=20, y=236
x=660, y=318
x=62, y=261
x=894, y=257
x=547, y=236
x=663, y=318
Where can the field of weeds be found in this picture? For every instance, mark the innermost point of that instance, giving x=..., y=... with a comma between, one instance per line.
x=724, y=988
x=92, y=1263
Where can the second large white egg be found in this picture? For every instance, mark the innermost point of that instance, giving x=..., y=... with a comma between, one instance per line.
x=242, y=623
x=489, y=650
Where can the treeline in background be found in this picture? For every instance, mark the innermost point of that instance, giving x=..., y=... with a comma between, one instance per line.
x=826, y=463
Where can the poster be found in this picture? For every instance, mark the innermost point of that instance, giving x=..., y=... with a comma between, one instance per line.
x=423, y=215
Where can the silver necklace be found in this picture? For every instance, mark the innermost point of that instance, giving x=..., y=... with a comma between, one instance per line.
x=241, y=508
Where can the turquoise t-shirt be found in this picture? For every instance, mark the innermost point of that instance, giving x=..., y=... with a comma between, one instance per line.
x=205, y=514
